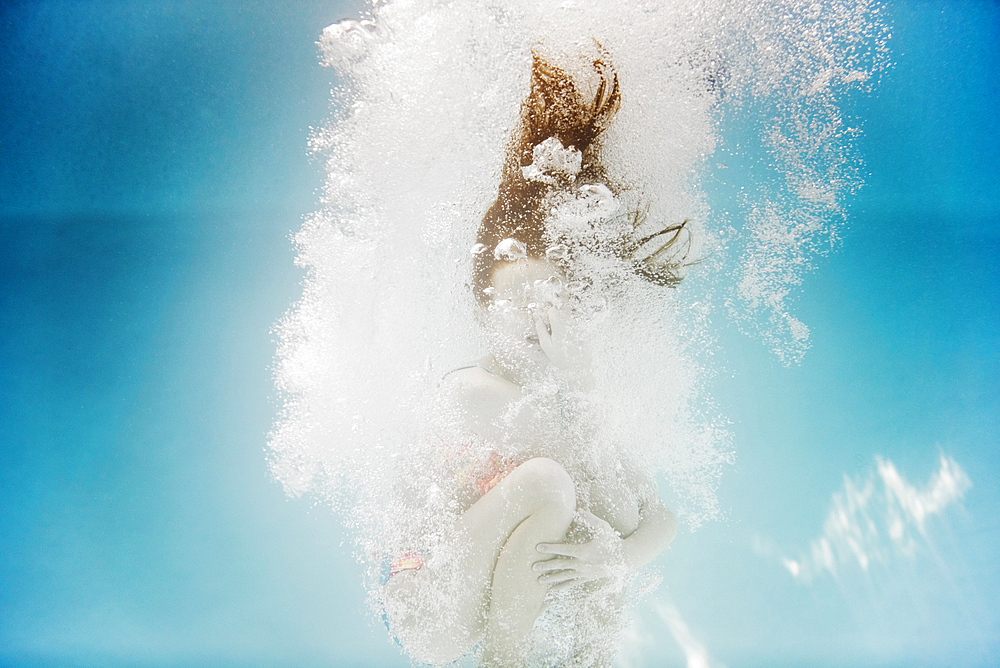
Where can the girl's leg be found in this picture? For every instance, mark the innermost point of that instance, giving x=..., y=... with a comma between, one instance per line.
x=546, y=499
x=494, y=547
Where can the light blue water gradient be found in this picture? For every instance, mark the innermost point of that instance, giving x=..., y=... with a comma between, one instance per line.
x=153, y=165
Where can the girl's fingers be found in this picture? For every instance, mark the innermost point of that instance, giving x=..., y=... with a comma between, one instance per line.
x=566, y=585
x=542, y=330
x=556, y=578
x=561, y=549
x=557, y=564
x=557, y=323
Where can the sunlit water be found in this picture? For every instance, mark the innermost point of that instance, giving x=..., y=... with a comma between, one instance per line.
x=153, y=167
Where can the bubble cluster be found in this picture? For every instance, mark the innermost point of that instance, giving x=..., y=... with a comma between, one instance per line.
x=553, y=162
x=428, y=102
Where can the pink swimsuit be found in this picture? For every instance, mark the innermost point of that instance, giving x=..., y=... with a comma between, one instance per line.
x=483, y=474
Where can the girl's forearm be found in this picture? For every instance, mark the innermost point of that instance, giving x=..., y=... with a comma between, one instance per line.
x=657, y=527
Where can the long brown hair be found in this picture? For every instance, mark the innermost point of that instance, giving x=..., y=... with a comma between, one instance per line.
x=556, y=108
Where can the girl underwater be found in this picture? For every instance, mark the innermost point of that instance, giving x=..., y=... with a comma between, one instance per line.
x=550, y=527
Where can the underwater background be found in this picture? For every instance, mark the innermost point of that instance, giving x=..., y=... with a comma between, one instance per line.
x=153, y=166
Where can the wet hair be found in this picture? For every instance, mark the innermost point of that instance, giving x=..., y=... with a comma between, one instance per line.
x=556, y=108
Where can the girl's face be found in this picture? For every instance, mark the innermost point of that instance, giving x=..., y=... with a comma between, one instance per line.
x=522, y=294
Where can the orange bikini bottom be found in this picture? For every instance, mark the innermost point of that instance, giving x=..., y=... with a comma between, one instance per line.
x=484, y=476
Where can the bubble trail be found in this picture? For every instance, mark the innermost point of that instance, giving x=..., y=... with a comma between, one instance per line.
x=429, y=100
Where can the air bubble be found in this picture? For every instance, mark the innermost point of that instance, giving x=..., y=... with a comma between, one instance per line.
x=510, y=250
x=557, y=252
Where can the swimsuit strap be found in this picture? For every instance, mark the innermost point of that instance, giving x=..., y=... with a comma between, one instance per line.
x=470, y=366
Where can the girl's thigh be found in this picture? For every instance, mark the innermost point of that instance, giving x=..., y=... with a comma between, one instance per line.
x=440, y=610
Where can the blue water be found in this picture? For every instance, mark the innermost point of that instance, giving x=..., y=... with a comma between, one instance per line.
x=153, y=165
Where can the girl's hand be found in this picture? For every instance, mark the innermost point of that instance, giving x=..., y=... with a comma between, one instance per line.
x=560, y=342
x=574, y=564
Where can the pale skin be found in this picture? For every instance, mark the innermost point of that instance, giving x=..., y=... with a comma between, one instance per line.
x=511, y=543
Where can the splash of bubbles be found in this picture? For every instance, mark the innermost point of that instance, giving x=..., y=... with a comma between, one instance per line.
x=510, y=250
x=429, y=99
x=552, y=162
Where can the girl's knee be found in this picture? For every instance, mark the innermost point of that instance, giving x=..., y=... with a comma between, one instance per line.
x=548, y=482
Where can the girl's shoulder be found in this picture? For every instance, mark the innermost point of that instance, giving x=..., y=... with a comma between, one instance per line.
x=479, y=394
x=479, y=378
x=473, y=371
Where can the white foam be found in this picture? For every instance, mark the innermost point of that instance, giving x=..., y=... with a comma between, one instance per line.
x=429, y=100
x=551, y=162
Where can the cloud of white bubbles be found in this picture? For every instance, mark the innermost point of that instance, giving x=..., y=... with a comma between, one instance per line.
x=430, y=94
x=429, y=98
x=869, y=523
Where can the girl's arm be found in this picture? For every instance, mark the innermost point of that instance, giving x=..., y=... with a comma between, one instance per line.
x=608, y=554
x=657, y=528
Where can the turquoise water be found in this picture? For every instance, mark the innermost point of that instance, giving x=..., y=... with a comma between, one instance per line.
x=153, y=167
